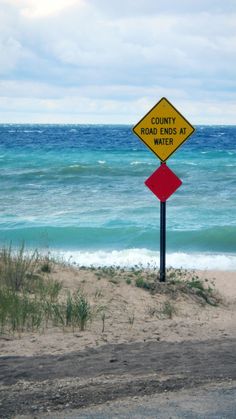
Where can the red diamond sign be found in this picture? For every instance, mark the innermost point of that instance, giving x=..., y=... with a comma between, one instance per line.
x=163, y=182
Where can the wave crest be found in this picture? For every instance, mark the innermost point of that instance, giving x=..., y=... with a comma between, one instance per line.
x=148, y=258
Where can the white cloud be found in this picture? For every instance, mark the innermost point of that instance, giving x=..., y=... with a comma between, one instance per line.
x=43, y=8
x=116, y=58
x=151, y=7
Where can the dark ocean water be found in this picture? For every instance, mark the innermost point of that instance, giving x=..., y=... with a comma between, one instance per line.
x=79, y=190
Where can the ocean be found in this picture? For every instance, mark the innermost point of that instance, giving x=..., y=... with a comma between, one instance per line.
x=78, y=191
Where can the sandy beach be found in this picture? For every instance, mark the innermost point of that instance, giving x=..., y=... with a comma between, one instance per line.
x=124, y=313
x=139, y=342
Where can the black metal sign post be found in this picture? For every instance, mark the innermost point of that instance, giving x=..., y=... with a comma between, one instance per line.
x=163, y=242
x=163, y=183
x=163, y=129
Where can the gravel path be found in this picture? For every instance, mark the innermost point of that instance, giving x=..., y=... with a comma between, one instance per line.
x=34, y=385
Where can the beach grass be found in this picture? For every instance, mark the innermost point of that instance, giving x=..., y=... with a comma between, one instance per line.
x=78, y=310
x=32, y=299
x=17, y=266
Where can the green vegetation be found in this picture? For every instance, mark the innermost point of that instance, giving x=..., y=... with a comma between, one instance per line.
x=188, y=283
x=103, y=317
x=168, y=309
x=162, y=311
x=82, y=311
x=131, y=319
x=140, y=282
x=178, y=282
x=16, y=267
x=46, y=265
x=19, y=312
x=29, y=300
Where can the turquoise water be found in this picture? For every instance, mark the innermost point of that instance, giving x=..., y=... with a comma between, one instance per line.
x=79, y=190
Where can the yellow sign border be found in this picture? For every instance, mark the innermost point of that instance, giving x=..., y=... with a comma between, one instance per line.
x=179, y=113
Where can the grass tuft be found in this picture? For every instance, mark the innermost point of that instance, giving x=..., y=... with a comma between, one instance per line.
x=29, y=300
x=17, y=267
x=78, y=310
x=168, y=309
x=140, y=282
x=180, y=281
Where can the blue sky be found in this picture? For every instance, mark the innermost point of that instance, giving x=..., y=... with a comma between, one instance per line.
x=103, y=61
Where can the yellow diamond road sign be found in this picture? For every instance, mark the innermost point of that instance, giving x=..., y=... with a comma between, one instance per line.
x=163, y=129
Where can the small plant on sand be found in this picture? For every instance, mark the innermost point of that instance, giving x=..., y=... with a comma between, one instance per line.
x=140, y=282
x=48, y=290
x=114, y=280
x=98, y=294
x=46, y=265
x=83, y=311
x=168, y=309
x=18, y=312
x=78, y=310
x=196, y=283
x=27, y=299
x=69, y=311
x=16, y=267
x=152, y=311
x=197, y=286
x=58, y=316
x=106, y=271
x=131, y=319
x=103, y=317
x=181, y=281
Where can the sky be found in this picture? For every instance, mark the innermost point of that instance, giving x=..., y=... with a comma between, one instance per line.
x=103, y=61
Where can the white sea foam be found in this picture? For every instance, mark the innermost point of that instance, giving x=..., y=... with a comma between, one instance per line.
x=191, y=164
x=145, y=257
x=136, y=163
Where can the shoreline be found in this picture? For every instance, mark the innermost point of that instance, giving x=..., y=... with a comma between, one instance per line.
x=145, y=258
